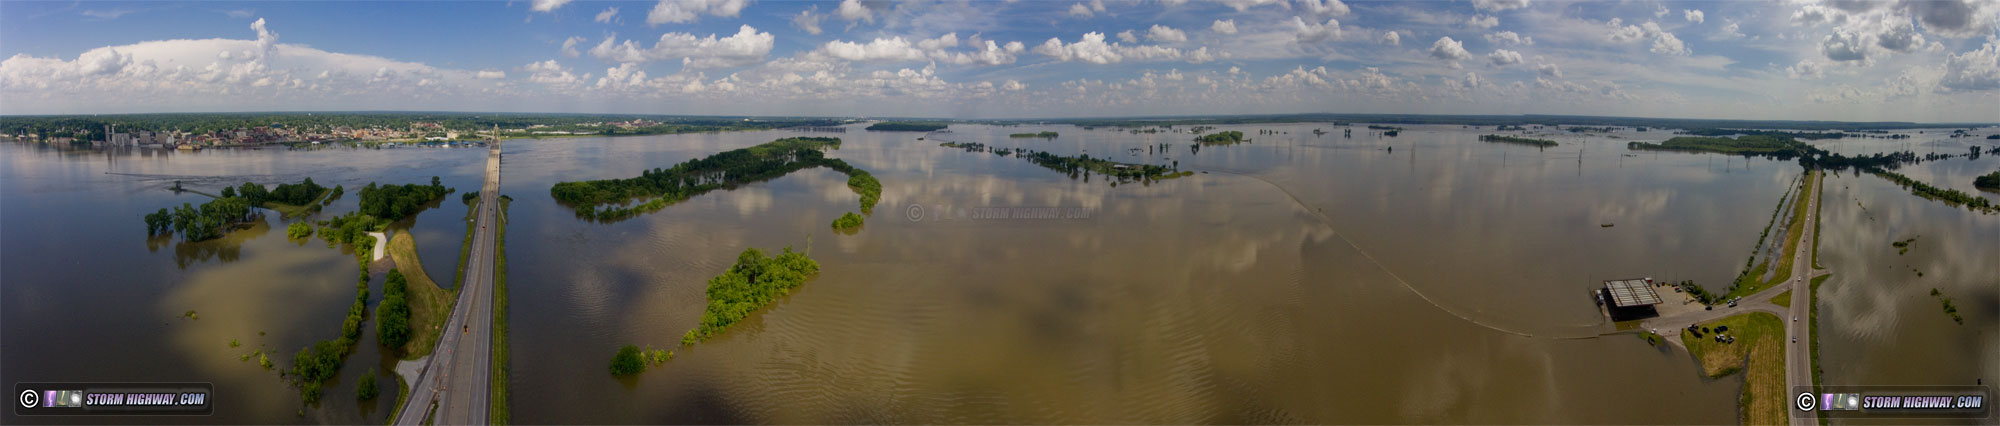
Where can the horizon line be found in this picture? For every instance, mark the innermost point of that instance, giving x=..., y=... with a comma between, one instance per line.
x=1052, y=119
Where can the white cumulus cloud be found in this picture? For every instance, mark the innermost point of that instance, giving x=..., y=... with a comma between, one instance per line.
x=1308, y=32
x=1222, y=26
x=569, y=46
x=747, y=46
x=808, y=20
x=1806, y=69
x=1549, y=70
x=1482, y=21
x=1973, y=70
x=1165, y=34
x=853, y=10
x=1499, y=5
x=1663, y=41
x=550, y=72
x=1324, y=7
x=683, y=11
x=546, y=5
x=1509, y=37
x=1844, y=46
x=1243, y=5
x=1079, y=9
x=1093, y=49
x=1450, y=51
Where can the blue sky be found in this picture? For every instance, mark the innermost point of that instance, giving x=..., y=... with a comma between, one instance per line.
x=1932, y=60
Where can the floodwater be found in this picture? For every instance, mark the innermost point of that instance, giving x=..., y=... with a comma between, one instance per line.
x=1887, y=328
x=1299, y=278
x=87, y=296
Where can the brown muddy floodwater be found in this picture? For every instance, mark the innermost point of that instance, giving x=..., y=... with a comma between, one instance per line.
x=1424, y=278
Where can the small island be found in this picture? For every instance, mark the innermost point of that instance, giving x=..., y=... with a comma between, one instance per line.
x=232, y=209
x=1043, y=135
x=847, y=221
x=909, y=126
x=1987, y=182
x=1745, y=145
x=755, y=281
x=1517, y=140
x=1080, y=165
x=1231, y=137
x=752, y=283
x=610, y=199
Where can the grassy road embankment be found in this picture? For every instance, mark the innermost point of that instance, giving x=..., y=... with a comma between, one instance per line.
x=1758, y=352
x=430, y=305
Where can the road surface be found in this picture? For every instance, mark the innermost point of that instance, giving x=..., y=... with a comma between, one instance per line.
x=457, y=375
x=1798, y=326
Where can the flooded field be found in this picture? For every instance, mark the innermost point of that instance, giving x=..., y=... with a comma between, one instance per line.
x=1427, y=277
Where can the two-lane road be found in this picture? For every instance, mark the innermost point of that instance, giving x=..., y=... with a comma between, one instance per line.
x=457, y=375
x=1798, y=326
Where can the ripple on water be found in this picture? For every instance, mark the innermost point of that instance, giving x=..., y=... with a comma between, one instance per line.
x=830, y=342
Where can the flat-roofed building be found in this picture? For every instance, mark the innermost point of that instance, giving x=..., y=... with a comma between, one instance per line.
x=1629, y=298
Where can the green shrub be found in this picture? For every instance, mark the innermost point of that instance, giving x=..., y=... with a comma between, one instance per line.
x=366, y=389
x=392, y=323
x=627, y=362
x=298, y=230
x=847, y=221
x=756, y=280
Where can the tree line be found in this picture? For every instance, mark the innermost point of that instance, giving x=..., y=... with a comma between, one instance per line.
x=297, y=194
x=603, y=199
x=213, y=218
x=1770, y=133
x=1230, y=137
x=1075, y=166
x=754, y=281
x=1948, y=195
x=909, y=126
x=1517, y=140
x=392, y=317
x=1988, y=181
x=313, y=365
x=860, y=181
x=206, y=222
x=847, y=221
x=1779, y=147
x=394, y=202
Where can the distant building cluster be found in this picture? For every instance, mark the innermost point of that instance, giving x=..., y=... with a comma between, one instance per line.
x=201, y=131
x=114, y=137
